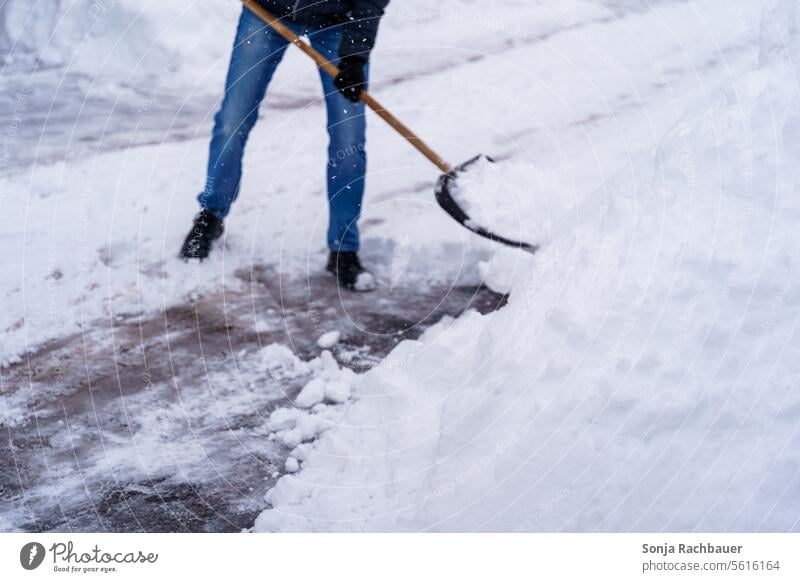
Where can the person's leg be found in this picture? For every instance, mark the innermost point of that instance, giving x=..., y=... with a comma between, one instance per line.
x=256, y=53
x=347, y=156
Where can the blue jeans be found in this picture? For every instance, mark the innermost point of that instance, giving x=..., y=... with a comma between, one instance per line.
x=256, y=54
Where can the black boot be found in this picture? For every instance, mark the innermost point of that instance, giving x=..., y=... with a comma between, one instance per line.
x=349, y=272
x=206, y=229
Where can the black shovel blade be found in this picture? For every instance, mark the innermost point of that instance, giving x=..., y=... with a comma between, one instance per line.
x=446, y=186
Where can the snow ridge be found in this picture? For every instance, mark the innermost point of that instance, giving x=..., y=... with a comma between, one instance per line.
x=641, y=376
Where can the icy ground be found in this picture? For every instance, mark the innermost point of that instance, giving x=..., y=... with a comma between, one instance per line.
x=140, y=392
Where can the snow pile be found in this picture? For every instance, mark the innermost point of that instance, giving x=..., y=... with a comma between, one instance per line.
x=641, y=376
x=112, y=37
x=280, y=362
x=330, y=383
x=513, y=198
x=329, y=339
x=315, y=409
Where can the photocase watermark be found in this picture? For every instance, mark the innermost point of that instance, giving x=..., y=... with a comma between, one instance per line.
x=342, y=154
x=501, y=448
x=31, y=555
x=542, y=509
x=65, y=558
x=8, y=143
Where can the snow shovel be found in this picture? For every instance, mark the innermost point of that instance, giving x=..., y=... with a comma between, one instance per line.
x=446, y=185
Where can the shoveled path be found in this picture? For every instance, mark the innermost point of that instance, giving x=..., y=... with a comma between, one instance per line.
x=159, y=423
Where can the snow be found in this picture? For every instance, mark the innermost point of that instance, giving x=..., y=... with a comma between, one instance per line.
x=111, y=38
x=329, y=339
x=294, y=426
x=96, y=232
x=312, y=393
x=642, y=374
x=262, y=326
x=284, y=418
x=365, y=282
x=639, y=378
x=316, y=404
x=330, y=383
x=281, y=362
x=515, y=198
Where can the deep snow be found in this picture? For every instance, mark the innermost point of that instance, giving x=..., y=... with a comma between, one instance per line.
x=640, y=377
x=643, y=375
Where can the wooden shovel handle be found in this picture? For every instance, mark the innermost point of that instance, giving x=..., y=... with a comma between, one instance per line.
x=333, y=71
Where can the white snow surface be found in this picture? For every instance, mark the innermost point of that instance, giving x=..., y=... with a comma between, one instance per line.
x=117, y=39
x=526, y=192
x=643, y=375
x=329, y=339
x=94, y=232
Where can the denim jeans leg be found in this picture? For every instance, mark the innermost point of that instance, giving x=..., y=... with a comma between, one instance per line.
x=257, y=51
x=347, y=156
